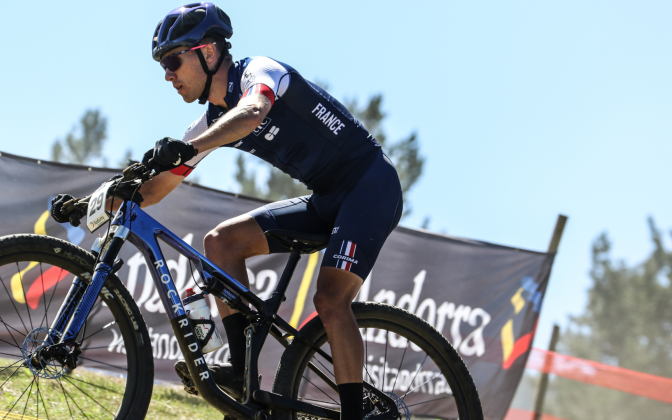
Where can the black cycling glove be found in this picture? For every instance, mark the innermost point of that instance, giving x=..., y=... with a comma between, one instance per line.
x=168, y=154
x=57, y=205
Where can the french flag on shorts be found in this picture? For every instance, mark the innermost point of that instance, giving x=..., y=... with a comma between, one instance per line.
x=347, y=249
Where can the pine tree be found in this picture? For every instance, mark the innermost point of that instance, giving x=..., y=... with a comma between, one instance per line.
x=628, y=323
x=84, y=141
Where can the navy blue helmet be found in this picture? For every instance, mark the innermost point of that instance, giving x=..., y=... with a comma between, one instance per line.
x=187, y=25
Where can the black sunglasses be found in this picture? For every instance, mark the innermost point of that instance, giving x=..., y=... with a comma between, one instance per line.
x=172, y=62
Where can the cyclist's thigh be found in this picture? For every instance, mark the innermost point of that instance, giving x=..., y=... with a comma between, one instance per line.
x=295, y=214
x=367, y=215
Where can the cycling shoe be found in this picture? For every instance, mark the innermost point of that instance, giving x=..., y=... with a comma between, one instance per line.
x=222, y=375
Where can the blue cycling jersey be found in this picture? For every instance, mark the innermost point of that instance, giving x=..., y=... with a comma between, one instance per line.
x=307, y=134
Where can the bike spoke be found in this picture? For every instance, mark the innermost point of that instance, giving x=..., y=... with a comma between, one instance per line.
x=74, y=402
x=103, y=363
x=106, y=326
x=10, y=376
x=325, y=368
x=30, y=392
x=65, y=397
x=421, y=385
x=94, y=348
x=11, y=366
x=44, y=298
x=400, y=363
x=23, y=289
x=37, y=398
x=410, y=384
x=97, y=386
x=10, y=333
x=6, y=342
x=366, y=353
x=42, y=398
x=83, y=392
x=320, y=389
x=11, y=299
x=19, y=399
x=53, y=292
x=428, y=401
x=13, y=355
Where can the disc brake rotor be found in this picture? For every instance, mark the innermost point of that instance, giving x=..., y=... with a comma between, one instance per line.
x=33, y=345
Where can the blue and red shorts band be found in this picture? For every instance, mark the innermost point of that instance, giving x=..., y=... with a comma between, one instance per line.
x=358, y=218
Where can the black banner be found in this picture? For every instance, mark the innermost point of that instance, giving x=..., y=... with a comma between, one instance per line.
x=484, y=298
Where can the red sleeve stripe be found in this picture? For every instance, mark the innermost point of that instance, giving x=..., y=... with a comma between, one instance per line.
x=182, y=170
x=261, y=89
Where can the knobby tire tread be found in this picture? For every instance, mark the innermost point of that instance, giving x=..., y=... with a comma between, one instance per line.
x=287, y=376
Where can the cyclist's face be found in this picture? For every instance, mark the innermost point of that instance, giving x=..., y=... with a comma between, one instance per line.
x=189, y=79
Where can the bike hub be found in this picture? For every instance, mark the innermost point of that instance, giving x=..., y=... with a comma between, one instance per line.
x=46, y=360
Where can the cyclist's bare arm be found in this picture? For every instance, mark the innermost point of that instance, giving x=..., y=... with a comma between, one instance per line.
x=158, y=187
x=236, y=124
x=152, y=191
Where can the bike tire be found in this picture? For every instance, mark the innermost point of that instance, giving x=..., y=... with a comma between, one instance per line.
x=17, y=250
x=291, y=378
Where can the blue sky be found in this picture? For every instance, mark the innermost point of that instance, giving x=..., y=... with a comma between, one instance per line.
x=524, y=109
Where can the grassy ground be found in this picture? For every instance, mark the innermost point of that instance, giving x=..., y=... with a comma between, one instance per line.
x=171, y=402
x=86, y=394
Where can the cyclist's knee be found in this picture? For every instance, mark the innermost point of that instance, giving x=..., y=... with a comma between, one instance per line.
x=330, y=306
x=240, y=237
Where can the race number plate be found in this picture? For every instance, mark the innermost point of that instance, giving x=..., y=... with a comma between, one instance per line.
x=96, y=216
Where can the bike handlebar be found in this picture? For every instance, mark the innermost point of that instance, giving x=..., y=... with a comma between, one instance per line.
x=125, y=187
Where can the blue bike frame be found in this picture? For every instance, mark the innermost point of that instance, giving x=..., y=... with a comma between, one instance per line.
x=133, y=224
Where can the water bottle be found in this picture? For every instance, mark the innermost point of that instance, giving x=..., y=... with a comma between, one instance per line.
x=197, y=311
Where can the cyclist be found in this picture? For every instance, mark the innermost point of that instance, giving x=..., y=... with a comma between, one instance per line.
x=266, y=108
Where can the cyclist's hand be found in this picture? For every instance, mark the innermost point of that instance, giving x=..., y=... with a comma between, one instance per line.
x=168, y=154
x=56, y=206
x=57, y=213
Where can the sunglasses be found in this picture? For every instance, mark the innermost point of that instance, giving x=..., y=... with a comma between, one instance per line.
x=172, y=62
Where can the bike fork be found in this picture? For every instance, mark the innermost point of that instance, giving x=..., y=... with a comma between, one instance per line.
x=81, y=297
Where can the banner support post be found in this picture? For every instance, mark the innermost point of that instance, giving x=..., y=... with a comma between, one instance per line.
x=557, y=234
x=543, y=383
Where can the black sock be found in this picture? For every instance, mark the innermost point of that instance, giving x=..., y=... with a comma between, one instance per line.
x=235, y=325
x=352, y=396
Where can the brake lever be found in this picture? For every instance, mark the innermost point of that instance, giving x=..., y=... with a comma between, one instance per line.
x=137, y=171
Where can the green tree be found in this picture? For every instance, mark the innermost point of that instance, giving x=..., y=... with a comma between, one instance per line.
x=405, y=154
x=628, y=323
x=84, y=141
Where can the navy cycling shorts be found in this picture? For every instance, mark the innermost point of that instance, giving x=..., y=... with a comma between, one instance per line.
x=359, y=217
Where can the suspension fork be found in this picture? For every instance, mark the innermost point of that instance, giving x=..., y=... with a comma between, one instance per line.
x=81, y=297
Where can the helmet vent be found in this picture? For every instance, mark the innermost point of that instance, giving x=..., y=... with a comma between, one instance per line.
x=168, y=25
x=188, y=22
x=223, y=17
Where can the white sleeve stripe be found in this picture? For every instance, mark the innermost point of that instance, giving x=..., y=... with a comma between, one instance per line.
x=263, y=70
x=284, y=84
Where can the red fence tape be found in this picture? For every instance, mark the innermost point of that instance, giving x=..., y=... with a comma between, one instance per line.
x=600, y=374
x=516, y=414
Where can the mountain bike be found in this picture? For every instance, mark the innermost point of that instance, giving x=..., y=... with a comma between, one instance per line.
x=49, y=369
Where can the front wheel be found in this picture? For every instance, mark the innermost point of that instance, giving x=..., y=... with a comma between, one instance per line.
x=114, y=373
x=405, y=358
